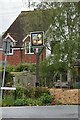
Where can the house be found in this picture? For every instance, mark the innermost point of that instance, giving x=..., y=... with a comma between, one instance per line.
x=19, y=35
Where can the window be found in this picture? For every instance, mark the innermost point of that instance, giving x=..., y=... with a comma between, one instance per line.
x=28, y=49
x=10, y=49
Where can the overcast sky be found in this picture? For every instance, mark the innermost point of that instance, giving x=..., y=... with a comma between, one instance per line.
x=9, y=10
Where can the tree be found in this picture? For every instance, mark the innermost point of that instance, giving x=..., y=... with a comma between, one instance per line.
x=62, y=35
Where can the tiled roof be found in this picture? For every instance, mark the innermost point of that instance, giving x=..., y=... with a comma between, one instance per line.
x=29, y=21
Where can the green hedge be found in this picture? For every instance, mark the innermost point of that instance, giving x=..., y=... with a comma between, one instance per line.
x=29, y=96
x=25, y=67
x=30, y=92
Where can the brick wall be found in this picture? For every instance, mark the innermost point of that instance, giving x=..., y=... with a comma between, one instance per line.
x=20, y=57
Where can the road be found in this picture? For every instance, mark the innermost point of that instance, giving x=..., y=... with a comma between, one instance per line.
x=64, y=111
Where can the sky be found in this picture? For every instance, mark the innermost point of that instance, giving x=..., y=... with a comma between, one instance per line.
x=9, y=10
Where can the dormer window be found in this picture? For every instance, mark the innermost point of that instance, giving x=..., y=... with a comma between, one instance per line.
x=11, y=50
x=27, y=45
x=12, y=43
x=28, y=49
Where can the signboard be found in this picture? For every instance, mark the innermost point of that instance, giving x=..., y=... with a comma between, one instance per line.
x=6, y=46
x=37, y=39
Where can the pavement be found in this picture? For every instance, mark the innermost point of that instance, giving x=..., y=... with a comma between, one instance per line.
x=56, y=111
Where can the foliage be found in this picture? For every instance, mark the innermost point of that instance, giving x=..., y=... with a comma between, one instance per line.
x=30, y=102
x=21, y=67
x=40, y=90
x=50, y=72
x=7, y=101
x=8, y=75
x=8, y=79
x=62, y=35
x=20, y=91
x=27, y=96
x=45, y=98
x=23, y=92
x=20, y=102
x=9, y=68
x=33, y=102
x=30, y=92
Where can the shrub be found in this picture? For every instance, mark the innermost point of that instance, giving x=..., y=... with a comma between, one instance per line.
x=33, y=102
x=29, y=96
x=8, y=79
x=29, y=92
x=9, y=68
x=22, y=67
x=20, y=102
x=45, y=98
x=40, y=90
x=32, y=67
x=8, y=101
x=28, y=102
x=26, y=97
x=20, y=91
x=25, y=92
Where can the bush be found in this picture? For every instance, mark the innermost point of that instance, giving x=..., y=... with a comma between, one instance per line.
x=8, y=79
x=45, y=98
x=9, y=68
x=20, y=91
x=33, y=102
x=25, y=92
x=22, y=67
x=8, y=101
x=30, y=92
x=20, y=102
x=28, y=102
x=29, y=96
x=40, y=90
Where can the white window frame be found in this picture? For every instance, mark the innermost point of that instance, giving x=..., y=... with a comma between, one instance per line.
x=31, y=53
x=11, y=53
x=13, y=42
